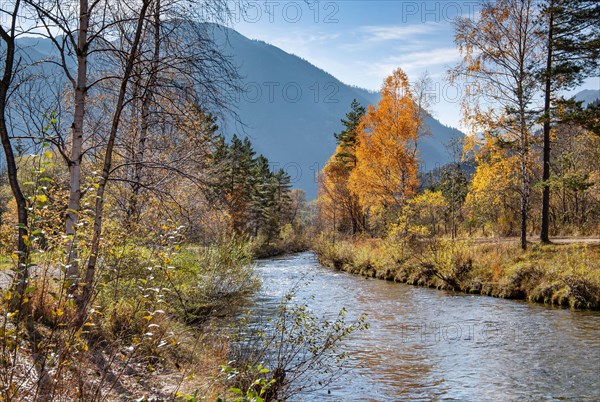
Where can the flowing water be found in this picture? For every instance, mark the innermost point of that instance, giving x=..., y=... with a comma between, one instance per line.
x=425, y=344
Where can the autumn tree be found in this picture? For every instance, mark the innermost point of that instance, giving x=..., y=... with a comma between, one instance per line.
x=426, y=211
x=385, y=175
x=338, y=206
x=336, y=202
x=499, y=51
x=575, y=180
x=493, y=197
x=453, y=181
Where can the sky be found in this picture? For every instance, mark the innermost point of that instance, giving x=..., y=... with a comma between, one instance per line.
x=360, y=42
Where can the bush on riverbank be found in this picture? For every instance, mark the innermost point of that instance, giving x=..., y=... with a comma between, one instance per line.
x=290, y=240
x=149, y=332
x=295, y=352
x=563, y=275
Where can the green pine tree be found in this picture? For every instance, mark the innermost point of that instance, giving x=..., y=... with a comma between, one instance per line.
x=346, y=139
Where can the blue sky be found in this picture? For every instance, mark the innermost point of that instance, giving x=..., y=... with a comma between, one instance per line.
x=361, y=42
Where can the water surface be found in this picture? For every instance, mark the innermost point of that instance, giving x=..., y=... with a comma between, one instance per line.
x=425, y=344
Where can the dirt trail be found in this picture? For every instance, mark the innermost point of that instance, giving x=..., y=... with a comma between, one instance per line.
x=556, y=240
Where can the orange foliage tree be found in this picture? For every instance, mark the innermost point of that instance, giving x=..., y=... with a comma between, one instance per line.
x=338, y=206
x=385, y=175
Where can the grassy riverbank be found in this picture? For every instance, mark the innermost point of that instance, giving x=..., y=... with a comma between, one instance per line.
x=563, y=275
x=159, y=327
x=287, y=244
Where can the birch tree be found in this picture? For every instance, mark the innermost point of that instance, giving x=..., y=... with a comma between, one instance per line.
x=499, y=52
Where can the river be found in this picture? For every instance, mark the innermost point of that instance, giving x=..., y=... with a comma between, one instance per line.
x=425, y=344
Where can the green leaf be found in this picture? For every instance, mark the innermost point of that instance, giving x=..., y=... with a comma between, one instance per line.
x=236, y=391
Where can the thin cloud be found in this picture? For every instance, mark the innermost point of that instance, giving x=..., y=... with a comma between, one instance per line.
x=304, y=39
x=386, y=33
x=414, y=63
x=410, y=36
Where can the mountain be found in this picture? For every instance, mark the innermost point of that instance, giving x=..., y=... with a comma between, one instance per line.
x=588, y=96
x=292, y=109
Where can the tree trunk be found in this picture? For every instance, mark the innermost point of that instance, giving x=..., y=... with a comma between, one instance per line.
x=77, y=143
x=544, y=235
x=99, y=207
x=524, y=200
x=147, y=100
x=524, y=176
x=22, y=272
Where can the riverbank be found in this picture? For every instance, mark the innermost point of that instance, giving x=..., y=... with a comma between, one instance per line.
x=155, y=331
x=289, y=244
x=559, y=274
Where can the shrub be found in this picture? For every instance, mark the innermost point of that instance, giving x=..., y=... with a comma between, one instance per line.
x=298, y=351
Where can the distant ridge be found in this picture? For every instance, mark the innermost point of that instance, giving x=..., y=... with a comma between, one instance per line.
x=588, y=96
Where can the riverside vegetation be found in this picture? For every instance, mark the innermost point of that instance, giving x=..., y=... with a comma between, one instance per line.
x=563, y=275
x=157, y=324
x=526, y=168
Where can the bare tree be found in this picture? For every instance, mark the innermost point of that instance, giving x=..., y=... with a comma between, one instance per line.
x=8, y=35
x=74, y=37
x=108, y=155
x=499, y=51
x=172, y=52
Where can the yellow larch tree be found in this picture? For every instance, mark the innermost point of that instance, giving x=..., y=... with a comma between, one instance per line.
x=494, y=194
x=386, y=164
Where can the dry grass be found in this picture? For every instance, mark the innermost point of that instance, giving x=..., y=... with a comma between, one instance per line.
x=559, y=274
x=135, y=343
